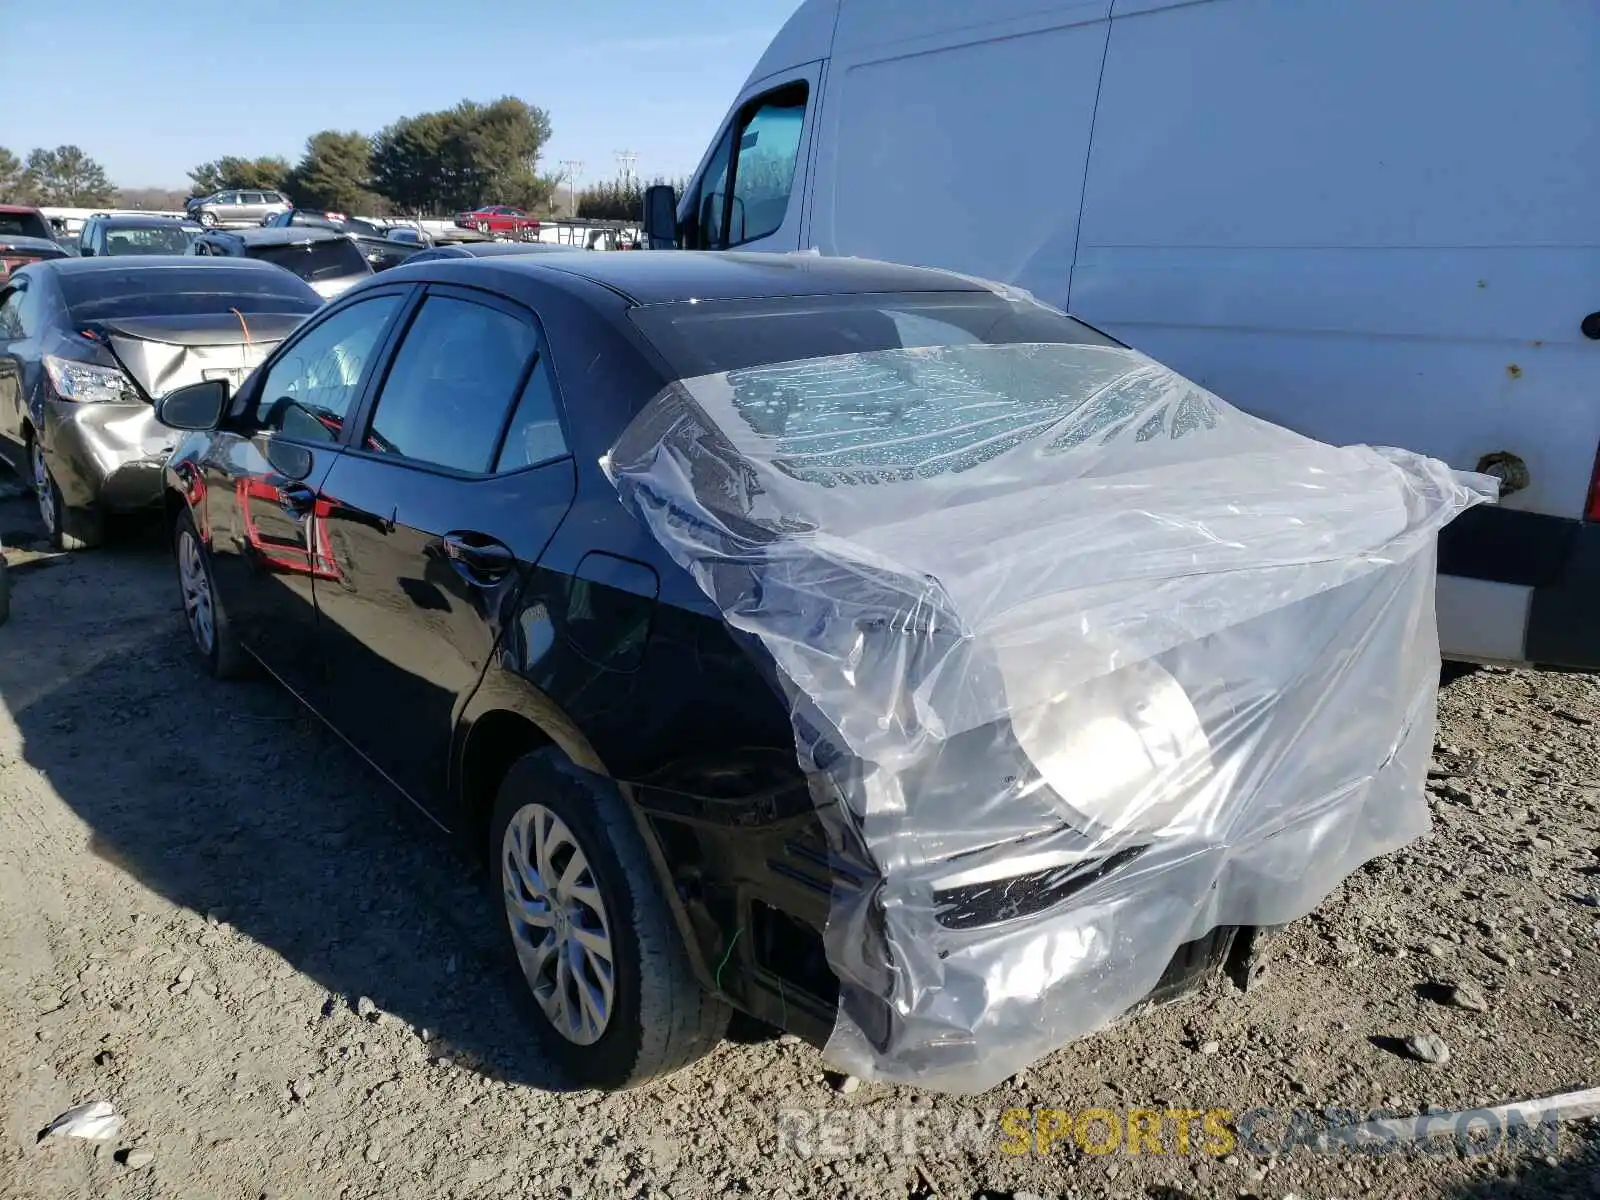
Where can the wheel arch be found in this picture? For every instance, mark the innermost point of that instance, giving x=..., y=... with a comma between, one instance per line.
x=505, y=718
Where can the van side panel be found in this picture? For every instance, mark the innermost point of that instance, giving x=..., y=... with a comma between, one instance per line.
x=964, y=148
x=1364, y=220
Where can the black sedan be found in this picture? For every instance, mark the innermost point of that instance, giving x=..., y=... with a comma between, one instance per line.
x=402, y=514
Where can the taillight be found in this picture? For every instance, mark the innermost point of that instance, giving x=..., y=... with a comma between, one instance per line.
x=1592, y=512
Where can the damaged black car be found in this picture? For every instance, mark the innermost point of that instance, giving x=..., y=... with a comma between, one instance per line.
x=870, y=649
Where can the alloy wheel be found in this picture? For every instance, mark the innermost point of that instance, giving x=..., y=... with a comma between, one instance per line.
x=559, y=923
x=196, y=584
x=44, y=489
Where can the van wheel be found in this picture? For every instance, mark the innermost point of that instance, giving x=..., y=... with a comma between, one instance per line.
x=67, y=528
x=208, y=219
x=616, y=1000
x=209, y=630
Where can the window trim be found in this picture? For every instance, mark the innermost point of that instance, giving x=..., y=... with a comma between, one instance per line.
x=358, y=429
x=247, y=401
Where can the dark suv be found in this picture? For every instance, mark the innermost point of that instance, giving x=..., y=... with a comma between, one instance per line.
x=403, y=515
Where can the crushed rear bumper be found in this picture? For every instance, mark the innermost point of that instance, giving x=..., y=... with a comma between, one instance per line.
x=106, y=455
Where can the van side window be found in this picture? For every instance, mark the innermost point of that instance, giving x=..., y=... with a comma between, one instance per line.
x=759, y=152
x=768, y=146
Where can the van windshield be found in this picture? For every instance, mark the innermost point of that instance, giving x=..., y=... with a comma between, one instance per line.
x=712, y=337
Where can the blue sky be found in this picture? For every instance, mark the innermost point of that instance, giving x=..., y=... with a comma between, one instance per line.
x=152, y=90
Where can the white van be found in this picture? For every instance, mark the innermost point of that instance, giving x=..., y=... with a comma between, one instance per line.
x=1365, y=220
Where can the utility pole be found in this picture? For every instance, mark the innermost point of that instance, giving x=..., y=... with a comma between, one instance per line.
x=572, y=168
x=625, y=162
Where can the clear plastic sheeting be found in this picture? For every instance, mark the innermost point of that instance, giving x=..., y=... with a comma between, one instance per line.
x=1083, y=663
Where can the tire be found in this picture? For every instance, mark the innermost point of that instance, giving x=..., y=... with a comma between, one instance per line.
x=212, y=637
x=67, y=528
x=208, y=219
x=483, y=227
x=658, y=1019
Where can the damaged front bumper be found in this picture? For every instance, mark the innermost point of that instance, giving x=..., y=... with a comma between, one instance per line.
x=106, y=455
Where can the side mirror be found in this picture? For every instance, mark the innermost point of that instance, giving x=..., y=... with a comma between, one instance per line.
x=197, y=408
x=661, y=216
x=85, y=251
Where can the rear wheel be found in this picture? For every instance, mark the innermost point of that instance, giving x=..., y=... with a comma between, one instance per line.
x=208, y=624
x=67, y=528
x=616, y=999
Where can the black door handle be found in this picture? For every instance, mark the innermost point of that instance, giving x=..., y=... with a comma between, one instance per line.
x=479, y=558
x=296, y=499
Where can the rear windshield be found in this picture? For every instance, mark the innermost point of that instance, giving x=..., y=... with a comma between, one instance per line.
x=24, y=225
x=181, y=291
x=710, y=337
x=148, y=239
x=314, y=260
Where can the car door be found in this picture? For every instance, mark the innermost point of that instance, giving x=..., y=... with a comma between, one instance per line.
x=257, y=489
x=460, y=477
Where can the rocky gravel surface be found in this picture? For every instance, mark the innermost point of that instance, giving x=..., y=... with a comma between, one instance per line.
x=215, y=918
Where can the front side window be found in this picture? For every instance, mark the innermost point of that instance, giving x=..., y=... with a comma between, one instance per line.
x=309, y=391
x=759, y=153
x=768, y=148
x=452, y=383
x=227, y=197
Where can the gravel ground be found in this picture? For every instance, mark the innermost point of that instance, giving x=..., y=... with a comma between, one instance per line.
x=213, y=916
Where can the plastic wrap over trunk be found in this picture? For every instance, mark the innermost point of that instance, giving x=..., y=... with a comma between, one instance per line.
x=1082, y=663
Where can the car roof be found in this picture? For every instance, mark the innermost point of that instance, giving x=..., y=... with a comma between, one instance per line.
x=496, y=249
x=153, y=262
x=140, y=221
x=279, y=235
x=673, y=276
x=19, y=209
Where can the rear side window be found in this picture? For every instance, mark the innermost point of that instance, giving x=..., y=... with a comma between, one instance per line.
x=312, y=261
x=11, y=315
x=453, y=381
x=534, y=435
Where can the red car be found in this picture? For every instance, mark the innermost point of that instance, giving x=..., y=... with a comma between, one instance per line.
x=498, y=218
x=25, y=237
